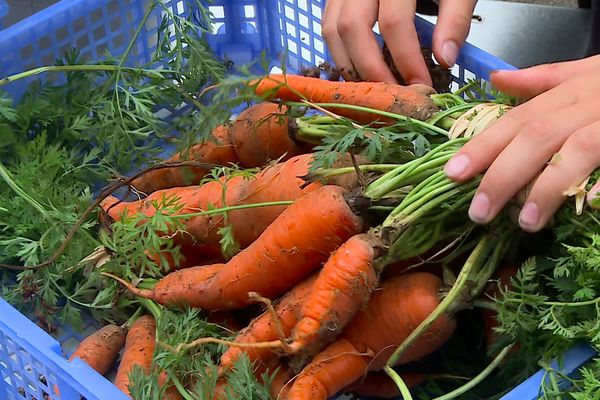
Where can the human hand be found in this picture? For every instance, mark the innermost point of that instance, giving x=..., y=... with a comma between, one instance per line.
x=562, y=116
x=347, y=29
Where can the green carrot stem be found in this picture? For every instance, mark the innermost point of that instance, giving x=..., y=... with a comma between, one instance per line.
x=319, y=120
x=482, y=277
x=450, y=111
x=70, y=68
x=431, y=183
x=485, y=304
x=421, y=124
x=453, y=295
x=405, y=174
x=394, y=178
x=180, y=388
x=480, y=377
x=464, y=88
x=5, y=175
x=404, y=391
x=331, y=172
x=446, y=123
x=233, y=208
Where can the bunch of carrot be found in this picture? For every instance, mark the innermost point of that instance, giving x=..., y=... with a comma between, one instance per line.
x=314, y=246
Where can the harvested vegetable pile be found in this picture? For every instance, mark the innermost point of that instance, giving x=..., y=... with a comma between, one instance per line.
x=309, y=246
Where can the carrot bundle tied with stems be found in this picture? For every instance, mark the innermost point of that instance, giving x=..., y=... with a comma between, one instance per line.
x=288, y=251
x=409, y=101
x=368, y=339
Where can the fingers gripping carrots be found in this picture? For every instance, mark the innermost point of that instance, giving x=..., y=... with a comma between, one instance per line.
x=410, y=101
x=372, y=335
x=288, y=251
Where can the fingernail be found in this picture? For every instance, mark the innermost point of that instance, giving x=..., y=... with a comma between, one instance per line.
x=530, y=216
x=457, y=166
x=450, y=52
x=593, y=197
x=480, y=208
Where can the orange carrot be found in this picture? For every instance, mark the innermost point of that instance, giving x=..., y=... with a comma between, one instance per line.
x=139, y=349
x=275, y=183
x=288, y=251
x=378, y=384
x=343, y=286
x=410, y=101
x=217, y=149
x=261, y=134
x=100, y=349
x=263, y=328
x=371, y=337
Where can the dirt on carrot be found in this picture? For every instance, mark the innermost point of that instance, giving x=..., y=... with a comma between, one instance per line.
x=139, y=349
x=410, y=101
x=100, y=349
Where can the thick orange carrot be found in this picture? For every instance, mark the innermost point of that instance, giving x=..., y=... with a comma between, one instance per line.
x=279, y=182
x=139, y=349
x=287, y=252
x=217, y=149
x=343, y=286
x=410, y=101
x=100, y=349
x=371, y=337
x=261, y=134
x=378, y=384
x=263, y=328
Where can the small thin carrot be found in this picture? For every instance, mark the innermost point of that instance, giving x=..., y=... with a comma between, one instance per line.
x=217, y=149
x=343, y=286
x=410, y=101
x=139, y=349
x=264, y=329
x=288, y=251
x=370, y=338
x=170, y=392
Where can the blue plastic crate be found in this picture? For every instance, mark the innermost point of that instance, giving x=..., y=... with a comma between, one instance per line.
x=31, y=361
x=3, y=11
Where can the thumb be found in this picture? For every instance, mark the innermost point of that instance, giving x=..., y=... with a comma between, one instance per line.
x=529, y=82
x=593, y=197
x=451, y=30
